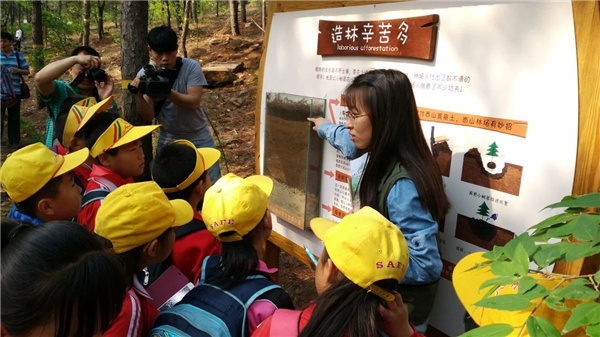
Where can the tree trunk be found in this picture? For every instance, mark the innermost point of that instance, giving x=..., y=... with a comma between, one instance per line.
x=86, y=22
x=178, y=20
x=37, y=55
x=166, y=2
x=233, y=17
x=217, y=7
x=59, y=8
x=195, y=11
x=134, y=56
x=244, y=3
x=116, y=13
x=101, y=5
x=264, y=15
x=186, y=24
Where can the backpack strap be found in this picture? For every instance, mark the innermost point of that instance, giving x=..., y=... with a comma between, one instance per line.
x=285, y=322
x=192, y=227
x=93, y=195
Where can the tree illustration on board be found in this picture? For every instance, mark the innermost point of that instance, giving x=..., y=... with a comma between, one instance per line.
x=483, y=210
x=493, y=152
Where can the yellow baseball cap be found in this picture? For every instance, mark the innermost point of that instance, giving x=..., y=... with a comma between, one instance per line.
x=366, y=247
x=119, y=133
x=233, y=206
x=205, y=158
x=80, y=113
x=137, y=213
x=27, y=170
x=470, y=273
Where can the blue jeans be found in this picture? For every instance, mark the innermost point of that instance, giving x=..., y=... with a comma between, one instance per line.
x=214, y=172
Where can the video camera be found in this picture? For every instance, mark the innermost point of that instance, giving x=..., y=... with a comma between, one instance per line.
x=155, y=83
x=92, y=75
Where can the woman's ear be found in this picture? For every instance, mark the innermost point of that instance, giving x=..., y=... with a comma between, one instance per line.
x=331, y=272
x=152, y=249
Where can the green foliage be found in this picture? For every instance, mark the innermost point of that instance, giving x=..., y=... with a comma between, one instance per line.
x=493, y=150
x=579, y=223
x=483, y=209
x=60, y=30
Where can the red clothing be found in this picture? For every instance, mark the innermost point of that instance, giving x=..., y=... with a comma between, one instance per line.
x=136, y=316
x=264, y=330
x=190, y=250
x=82, y=172
x=100, y=178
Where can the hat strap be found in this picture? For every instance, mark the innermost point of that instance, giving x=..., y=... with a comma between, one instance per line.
x=386, y=295
x=196, y=173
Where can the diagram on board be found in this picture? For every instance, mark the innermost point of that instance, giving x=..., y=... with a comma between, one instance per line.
x=474, y=171
x=480, y=230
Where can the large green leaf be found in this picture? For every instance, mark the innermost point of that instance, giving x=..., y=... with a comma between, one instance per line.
x=587, y=228
x=597, y=276
x=503, y=268
x=494, y=254
x=557, y=303
x=586, y=200
x=523, y=239
x=578, y=291
x=553, y=220
x=536, y=292
x=512, y=302
x=583, y=314
x=581, y=250
x=521, y=260
x=492, y=330
x=498, y=281
x=547, y=255
x=593, y=330
x=541, y=327
x=561, y=231
x=526, y=283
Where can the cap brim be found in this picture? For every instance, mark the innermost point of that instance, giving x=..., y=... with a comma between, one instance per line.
x=320, y=226
x=183, y=212
x=264, y=183
x=210, y=155
x=91, y=111
x=134, y=134
x=73, y=160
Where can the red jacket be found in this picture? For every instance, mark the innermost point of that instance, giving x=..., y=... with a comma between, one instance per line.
x=100, y=178
x=264, y=330
x=136, y=316
x=82, y=172
x=190, y=250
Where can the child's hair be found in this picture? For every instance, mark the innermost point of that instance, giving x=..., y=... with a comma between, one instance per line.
x=96, y=127
x=85, y=50
x=172, y=165
x=162, y=39
x=8, y=230
x=238, y=260
x=50, y=190
x=346, y=308
x=6, y=35
x=68, y=275
x=388, y=98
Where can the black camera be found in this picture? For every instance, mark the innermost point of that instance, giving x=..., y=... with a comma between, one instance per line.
x=92, y=75
x=155, y=82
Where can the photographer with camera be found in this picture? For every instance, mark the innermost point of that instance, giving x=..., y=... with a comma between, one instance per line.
x=88, y=80
x=170, y=90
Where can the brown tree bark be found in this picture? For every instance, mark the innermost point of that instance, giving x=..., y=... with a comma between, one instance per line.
x=243, y=11
x=166, y=2
x=186, y=24
x=116, y=13
x=86, y=22
x=134, y=56
x=233, y=17
x=37, y=54
x=178, y=21
x=101, y=5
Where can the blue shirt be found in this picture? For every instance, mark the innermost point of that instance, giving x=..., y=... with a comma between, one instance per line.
x=10, y=61
x=405, y=211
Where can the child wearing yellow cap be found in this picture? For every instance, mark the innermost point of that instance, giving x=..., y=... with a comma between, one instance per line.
x=41, y=184
x=181, y=170
x=117, y=150
x=138, y=219
x=70, y=129
x=235, y=289
x=365, y=257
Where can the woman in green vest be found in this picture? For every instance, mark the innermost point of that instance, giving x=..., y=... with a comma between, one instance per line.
x=400, y=179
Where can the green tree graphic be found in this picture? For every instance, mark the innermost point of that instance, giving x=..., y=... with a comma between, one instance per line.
x=483, y=210
x=493, y=150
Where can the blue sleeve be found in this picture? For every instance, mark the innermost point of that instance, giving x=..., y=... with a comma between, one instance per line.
x=24, y=64
x=339, y=137
x=419, y=229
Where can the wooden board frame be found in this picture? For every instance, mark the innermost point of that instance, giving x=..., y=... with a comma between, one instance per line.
x=586, y=16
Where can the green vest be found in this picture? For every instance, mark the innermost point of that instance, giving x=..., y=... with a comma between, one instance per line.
x=393, y=173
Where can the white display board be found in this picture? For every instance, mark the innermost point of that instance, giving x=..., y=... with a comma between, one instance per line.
x=494, y=64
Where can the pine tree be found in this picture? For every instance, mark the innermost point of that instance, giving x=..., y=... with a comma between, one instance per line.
x=483, y=210
x=493, y=150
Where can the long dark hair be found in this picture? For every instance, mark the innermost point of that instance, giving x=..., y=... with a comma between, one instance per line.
x=346, y=308
x=59, y=271
x=387, y=97
x=239, y=259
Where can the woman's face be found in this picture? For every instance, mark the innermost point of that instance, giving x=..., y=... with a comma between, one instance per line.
x=360, y=127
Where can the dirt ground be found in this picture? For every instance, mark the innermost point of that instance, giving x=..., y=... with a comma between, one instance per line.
x=231, y=110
